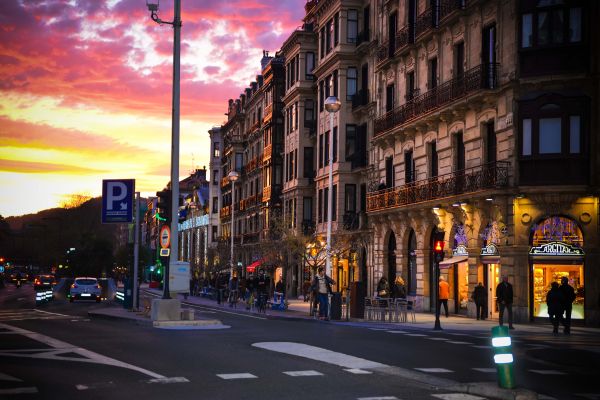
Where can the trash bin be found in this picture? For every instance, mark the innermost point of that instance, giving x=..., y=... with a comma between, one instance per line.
x=336, y=306
x=128, y=293
x=357, y=300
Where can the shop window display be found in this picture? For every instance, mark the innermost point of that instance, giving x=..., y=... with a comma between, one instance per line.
x=543, y=277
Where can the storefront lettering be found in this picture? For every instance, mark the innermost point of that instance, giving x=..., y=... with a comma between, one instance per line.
x=460, y=250
x=556, y=249
x=490, y=250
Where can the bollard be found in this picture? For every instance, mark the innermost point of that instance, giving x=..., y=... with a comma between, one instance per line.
x=503, y=357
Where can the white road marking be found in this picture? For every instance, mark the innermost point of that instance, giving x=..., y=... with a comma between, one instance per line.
x=544, y=397
x=5, y=377
x=378, y=329
x=379, y=398
x=547, y=372
x=437, y=338
x=357, y=371
x=319, y=354
x=237, y=376
x=457, y=396
x=176, y=379
x=415, y=334
x=20, y=390
x=60, y=347
x=98, y=385
x=479, y=346
x=484, y=369
x=435, y=370
x=396, y=331
x=458, y=342
x=303, y=373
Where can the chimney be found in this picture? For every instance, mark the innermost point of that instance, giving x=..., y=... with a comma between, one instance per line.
x=265, y=60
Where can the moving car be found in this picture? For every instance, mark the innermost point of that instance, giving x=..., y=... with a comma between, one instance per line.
x=43, y=286
x=85, y=288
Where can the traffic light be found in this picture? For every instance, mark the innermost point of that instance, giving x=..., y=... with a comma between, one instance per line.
x=163, y=205
x=438, y=246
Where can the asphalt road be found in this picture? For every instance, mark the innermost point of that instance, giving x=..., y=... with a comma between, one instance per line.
x=56, y=351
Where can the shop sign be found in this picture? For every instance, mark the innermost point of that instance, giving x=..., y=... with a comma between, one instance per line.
x=491, y=250
x=460, y=250
x=556, y=249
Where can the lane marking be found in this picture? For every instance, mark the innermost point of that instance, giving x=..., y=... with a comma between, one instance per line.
x=20, y=390
x=5, y=377
x=396, y=331
x=98, y=385
x=458, y=342
x=547, y=372
x=434, y=370
x=479, y=346
x=303, y=373
x=486, y=370
x=437, y=338
x=61, y=347
x=457, y=396
x=357, y=371
x=237, y=376
x=176, y=379
x=319, y=354
x=415, y=334
x=379, y=398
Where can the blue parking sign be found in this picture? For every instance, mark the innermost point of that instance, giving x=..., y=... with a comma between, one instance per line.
x=117, y=200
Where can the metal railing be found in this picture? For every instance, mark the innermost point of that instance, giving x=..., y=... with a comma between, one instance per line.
x=470, y=180
x=484, y=76
x=361, y=98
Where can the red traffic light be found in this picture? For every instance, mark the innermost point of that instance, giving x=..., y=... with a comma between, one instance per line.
x=438, y=247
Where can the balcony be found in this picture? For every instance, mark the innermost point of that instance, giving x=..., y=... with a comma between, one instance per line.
x=254, y=127
x=363, y=37
x=484, y=76
x=468, y=181
x=225, y=181
x=252, y=164
x=266, y=195
x=268, y=113
x=267, y=153
x=351, y=221
x=447, y=7
x=404, y=37
x=361, y=98
x=250, y=201
x=383, y=53
x=426, y=20
x=225, y=212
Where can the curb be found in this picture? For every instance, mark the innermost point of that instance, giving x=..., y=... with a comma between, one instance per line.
x=136, y=321
x=200, y=322
x=491, y=389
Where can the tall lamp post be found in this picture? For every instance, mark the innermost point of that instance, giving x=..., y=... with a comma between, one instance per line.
x=332, y=105
x=153, y=6
x=233, y=176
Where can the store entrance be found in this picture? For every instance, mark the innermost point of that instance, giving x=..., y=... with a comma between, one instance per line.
x=458, y=279
x=491, y=280
x=544, y=273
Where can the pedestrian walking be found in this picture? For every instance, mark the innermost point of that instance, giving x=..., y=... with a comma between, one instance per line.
x=555, y=301
x=444, y=292
x=322, y=286
x=504, y=297
x=480, y=298
x=568, y=298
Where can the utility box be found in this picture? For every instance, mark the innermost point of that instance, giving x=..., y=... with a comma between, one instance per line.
x=179, y=277
x=128, y=293
x=336, y=306
x=358, y=292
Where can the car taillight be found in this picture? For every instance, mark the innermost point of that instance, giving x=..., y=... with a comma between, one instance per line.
x=98, y=287
x=37, y=282
x=73, y=286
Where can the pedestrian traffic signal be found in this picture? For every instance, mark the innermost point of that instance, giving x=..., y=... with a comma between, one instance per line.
x=163, y=205
x=438, y=246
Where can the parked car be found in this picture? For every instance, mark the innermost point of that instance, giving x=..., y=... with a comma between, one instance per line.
x=85, y=288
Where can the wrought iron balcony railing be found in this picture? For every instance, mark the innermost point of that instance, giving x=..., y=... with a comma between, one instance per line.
x=484, y=76
x=467, y=181
x=361, y=98
x=351, y=221
x=267, y=152
x=363, y=37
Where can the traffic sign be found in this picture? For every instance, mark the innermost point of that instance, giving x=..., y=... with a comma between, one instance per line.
x=117, y=200
x=165, y=236
x=165, y=252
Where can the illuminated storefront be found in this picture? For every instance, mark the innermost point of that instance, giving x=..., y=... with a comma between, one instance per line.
x=556, y=251
x=456, y=272
x=489, y=275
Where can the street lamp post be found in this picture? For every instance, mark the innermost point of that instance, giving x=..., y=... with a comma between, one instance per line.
x=153, y=6
x=233, y=176
x=332, y=105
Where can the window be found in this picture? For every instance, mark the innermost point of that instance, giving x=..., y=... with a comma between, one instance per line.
x=321, y=95
x=307, y=214
x=350, y=199
x=329, y=38
x=527, y=137
x=334, y=204
x=548, y=24
x=323, y=40
x=215, y=177
x=295, y=163
x=335, y=83
x=308, y=163
x=352, y=26
x=326, y=149
x=459, y=148
x=239, y=161
x=216, y=149
x=575, y=134
x=350, y=142
x=215, y=205
x=410, y=86
x=459, y=59
x=321, y=148
x=336, y=29
x=335, y=143
x=310, y=65
x=389, y=172
x=409, y=167
x=550, y=136
x=351, y=82
x=389, y=98
x=433, y=160
x=320, y=206
x=491, y=142
x=432, y=74
x=309, y=113
x=325, y=204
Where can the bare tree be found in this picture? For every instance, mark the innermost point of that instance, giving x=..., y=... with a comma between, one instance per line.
x=74, y=200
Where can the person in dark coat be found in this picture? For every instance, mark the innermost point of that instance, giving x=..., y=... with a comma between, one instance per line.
x=321, y=285
x=383, y=288
x=480, y=298
x=568, y=298
x=504, y=297
x=555, y=301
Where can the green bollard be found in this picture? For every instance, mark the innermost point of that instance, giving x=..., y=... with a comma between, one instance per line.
x=503, y=357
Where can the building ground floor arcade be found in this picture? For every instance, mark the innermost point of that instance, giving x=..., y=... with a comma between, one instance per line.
x=534, y=239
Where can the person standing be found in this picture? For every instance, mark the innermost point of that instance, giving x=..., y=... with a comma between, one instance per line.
x=322, y=286
x=480, y=298
x=444, y=292
x=555, y=301
x=504, y=297
x=568, y=296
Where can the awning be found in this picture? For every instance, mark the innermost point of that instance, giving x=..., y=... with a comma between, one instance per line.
x=453, y=260
x=250, y=268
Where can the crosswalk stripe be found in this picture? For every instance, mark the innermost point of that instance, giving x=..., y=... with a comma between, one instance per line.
x=435, y=370
x=415, y=334
x=358, y=371
x=457, y=396
x=303, y=373
x=379, y=398
x=479, y=346
x=5, y=377
x=458, y=342
x=436, y=338
x=244, y=375
x=547, y=372
x=484, y=369
x=20, y=390
x=396, y=332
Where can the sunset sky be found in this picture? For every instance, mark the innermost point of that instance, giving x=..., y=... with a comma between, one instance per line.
x=86, y=89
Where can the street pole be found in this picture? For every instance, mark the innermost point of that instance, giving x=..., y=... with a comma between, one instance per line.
x=332, y=105
x=232, y=228
x=136, y=252
x=437, y=326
